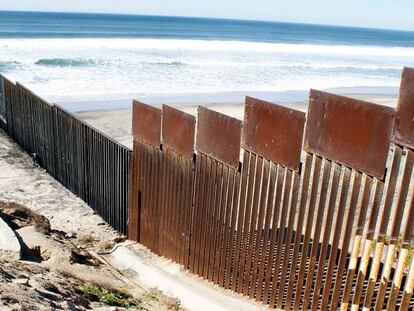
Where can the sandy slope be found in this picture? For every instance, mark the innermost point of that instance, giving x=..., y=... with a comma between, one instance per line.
x=60, y=236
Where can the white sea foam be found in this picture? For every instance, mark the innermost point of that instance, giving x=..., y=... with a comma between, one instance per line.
x=204, y=45
x=80, y=69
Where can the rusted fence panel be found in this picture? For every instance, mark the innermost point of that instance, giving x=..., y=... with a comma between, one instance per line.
x=177, y=182
x=272, y=140
x=145, y=176
x=216, y=197
x=218, y=136
x=351, y=132
x=341, y=134
x=274, y=132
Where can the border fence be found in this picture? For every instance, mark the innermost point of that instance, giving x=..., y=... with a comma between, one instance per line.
x=89, y=163
x=297, y=211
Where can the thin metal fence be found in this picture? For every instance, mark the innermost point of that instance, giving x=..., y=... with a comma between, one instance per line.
x=89, y=163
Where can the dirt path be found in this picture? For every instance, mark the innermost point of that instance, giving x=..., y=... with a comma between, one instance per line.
x=60, y=236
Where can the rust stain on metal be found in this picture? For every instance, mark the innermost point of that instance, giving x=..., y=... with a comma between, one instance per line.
x=349, y=131
x=404, y=120
x=146, y=123
x=218, y=136
x=178, y=131
x=274, y=132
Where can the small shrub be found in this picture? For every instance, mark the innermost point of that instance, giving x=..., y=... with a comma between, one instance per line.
x=117, y=298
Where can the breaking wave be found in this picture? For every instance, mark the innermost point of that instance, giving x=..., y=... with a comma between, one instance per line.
x=65, y=62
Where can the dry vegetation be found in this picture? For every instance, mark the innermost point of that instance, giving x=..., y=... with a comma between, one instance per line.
x=58, y=272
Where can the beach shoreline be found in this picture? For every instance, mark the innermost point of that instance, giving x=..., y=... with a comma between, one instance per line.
x=288, y=97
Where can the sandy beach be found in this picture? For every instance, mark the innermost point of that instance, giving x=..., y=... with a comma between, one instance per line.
x=118, y=122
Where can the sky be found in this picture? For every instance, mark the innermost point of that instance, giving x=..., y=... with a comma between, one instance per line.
x=392, y=14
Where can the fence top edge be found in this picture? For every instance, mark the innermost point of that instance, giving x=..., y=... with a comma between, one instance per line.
x=356, y=101
x=7, y=79
x=349, y=131
x=18, y=84
x=106, y=136
x=274, y=132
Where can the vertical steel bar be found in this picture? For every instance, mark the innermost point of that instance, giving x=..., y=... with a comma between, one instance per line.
x=207, y=216
x=229, y=269
x=273, y=234
x=383, y=226
x=196, y=213
x=395, y=229
x=221, y=226
x=321, y=206
x=407, y=237
x=309, y=223
x=347, y=231
x=252, y=231
x=226, y=248
x=357, y=242
x=298, y=233
x=248, y=162
x=336, y=240
x=275, y=185
x=281, y=236
x=408, y=289
x=289, y=238
x=368, y=245
x=325, y=239
x=259, y=245
x=247, y=218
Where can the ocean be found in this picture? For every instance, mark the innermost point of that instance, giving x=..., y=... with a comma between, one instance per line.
x=69, y=58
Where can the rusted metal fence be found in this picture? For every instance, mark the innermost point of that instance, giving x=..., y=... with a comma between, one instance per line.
x=269, y=192
x=177, y=178
x=352, y=136
x=89, y=163
x=327, y=224
x=215, y=197
x=333, y=233
x=145, y=175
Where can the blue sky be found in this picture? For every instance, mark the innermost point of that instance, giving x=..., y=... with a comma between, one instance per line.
x=395, y=14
